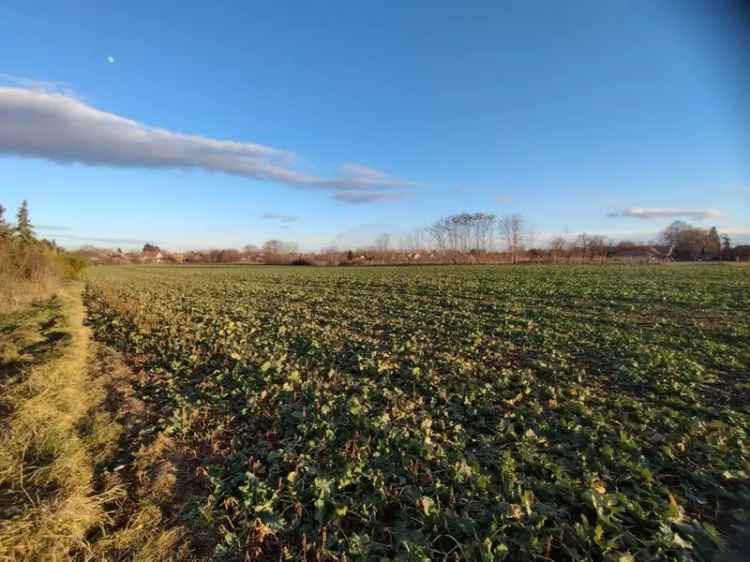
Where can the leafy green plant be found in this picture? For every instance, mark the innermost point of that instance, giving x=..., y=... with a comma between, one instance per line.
x=491, y=413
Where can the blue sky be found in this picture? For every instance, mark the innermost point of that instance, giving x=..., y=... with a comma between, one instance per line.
x=360, y=117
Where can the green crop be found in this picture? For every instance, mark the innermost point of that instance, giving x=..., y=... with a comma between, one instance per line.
x=481, y=413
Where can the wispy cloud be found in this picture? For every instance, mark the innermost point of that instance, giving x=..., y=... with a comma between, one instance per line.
x=286, y=219
x=363, y=197
x=54, y=126
x=658, y=213
x=124, y=241
x=51, y=228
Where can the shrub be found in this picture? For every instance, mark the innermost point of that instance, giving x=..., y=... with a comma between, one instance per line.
x=29, y=271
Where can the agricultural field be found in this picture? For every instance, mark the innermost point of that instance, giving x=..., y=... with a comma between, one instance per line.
x=443, y=413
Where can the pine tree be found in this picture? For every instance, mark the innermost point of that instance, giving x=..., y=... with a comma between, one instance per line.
x=5, y=230
x=726, y=247
x=24, y=228
x=713, y=243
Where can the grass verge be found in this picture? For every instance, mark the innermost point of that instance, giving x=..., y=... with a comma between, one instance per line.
x=47, y=502
x=79, y=478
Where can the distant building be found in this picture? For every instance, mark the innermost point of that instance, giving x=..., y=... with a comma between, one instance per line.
x=117, y=257
x=152, y=256
x=641, y=254
x=741, y=253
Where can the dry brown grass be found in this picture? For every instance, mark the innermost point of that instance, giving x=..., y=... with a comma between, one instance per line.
x=66, y=417
x=46, y=474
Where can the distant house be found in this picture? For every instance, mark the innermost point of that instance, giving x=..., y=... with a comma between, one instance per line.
x=152, y=256
x=641, y=254
x=741, y=253
x=117, y=257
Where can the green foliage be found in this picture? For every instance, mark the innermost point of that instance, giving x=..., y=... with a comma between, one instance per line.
x=692, y=243
x=486, y=413
x=24, y=229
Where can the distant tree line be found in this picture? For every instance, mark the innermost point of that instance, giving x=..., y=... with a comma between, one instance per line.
x=465, y=238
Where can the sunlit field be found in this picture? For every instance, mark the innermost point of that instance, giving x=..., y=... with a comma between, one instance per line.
x=561, y=412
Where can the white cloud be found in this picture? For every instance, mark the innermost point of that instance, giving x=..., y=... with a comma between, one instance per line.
x=111, y=60
x=51, y=228
x=658, y=213
x=36, y=85
x=361, y=171
x=123, y=241
x=58, y=127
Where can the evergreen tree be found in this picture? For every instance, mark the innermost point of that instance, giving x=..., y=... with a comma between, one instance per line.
x=5, y=230
x=24, y=228
x=713, y=243
x=726, y=246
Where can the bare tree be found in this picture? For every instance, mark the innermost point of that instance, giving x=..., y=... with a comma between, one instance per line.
x=228, y=255
x=463, y=232
x=413, y=241
x=484, y=231
x=557, y=246
x=511, y=230
x=419, y=236
x=274, y=247
x=598, y=247
x=439, y=234
x=383, y=242
x=582, y=245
